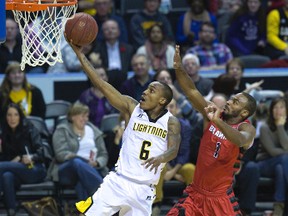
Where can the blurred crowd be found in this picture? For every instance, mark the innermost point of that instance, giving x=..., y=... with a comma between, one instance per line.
x=212, y=35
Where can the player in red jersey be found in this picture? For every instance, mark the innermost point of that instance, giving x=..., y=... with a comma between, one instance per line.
x=226, y=133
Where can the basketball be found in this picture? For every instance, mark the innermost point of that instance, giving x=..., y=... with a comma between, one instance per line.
x=82, y=29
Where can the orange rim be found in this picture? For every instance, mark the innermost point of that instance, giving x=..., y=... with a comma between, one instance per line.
x=36, y=5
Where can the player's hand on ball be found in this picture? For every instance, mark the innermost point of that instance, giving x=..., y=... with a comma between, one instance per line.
x=153, y=163
x=76, y=48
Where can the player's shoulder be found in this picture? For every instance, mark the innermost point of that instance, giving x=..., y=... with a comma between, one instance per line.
x=246, y=126
x=131, y=102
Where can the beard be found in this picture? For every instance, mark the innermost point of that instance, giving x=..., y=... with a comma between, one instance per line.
x=229, y=115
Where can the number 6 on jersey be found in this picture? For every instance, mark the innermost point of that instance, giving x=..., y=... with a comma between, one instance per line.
x=144, y=153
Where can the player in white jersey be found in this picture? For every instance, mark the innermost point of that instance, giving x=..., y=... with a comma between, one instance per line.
x=151, y=139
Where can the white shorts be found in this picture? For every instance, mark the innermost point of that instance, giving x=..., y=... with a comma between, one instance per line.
x=117, y=193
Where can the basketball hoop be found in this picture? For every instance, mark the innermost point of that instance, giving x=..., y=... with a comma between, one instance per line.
x=41, y=24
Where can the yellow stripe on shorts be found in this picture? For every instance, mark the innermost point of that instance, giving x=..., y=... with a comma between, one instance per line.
x=83, y=206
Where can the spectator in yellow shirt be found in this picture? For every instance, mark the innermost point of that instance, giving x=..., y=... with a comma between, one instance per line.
x=277, y=32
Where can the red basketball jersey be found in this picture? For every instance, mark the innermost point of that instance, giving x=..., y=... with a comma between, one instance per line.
x=218, y=160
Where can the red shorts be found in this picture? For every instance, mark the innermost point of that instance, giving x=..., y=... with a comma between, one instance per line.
x=199, y=202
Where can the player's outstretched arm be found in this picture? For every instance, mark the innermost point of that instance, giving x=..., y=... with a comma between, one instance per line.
x=123, y=103
x=187, y=85
x=174, y=139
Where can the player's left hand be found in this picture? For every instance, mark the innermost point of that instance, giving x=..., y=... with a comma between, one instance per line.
x=74, y=47
x=153, y=163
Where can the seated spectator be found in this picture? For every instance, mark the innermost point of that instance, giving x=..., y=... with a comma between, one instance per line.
x=189, y=24
x=272, y=157
x=236, y=68
x=191, y=64
x=159, y=53
x=115, y=55
x=104, y=10
x=143, y=20
x=277, y=34
x=95, y=100
x=179, y=168
x=212, y=55
x=21, y=156
x=139, y=82
x=80, y=153
x=247, y=31
x=11, y=49
x=15, y=88
x=184, y=105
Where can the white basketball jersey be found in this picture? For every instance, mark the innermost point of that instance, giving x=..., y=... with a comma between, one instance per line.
x=142, y=139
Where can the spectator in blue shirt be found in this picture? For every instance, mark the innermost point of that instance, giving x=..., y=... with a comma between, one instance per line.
x=247, y=31
x=212, y=55
x=189, y=24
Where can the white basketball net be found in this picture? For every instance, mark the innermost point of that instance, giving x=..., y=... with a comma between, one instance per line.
x=41, y=33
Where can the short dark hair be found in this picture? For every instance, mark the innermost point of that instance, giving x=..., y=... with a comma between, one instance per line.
x=251, y=104
x=167, y=93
